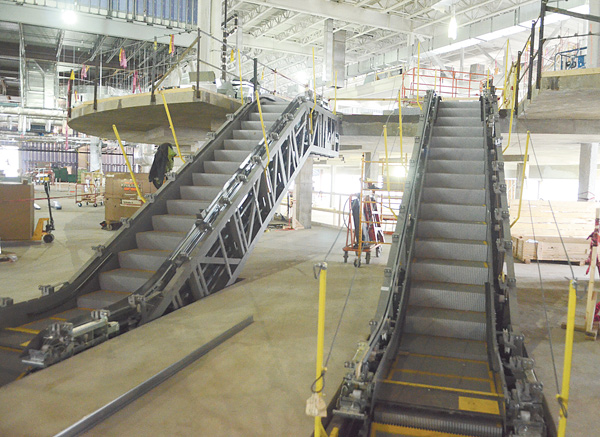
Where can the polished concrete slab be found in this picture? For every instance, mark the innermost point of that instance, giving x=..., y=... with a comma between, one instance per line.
x=257, y=382
x=140, y=120
x=254, y=384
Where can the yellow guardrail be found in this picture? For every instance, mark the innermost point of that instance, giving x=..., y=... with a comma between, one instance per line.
x=171, y=124
x=137, y=188
x=522, y=180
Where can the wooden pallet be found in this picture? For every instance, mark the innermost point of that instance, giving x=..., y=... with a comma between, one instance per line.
x=526, y=249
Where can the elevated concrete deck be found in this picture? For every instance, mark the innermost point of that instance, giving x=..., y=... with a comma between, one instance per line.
x=139, y=120
x=566, y=95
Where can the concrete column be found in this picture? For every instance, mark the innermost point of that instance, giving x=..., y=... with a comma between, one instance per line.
x=372, y=171
x=520, y=180
x=588, y=167
x=95, y=154
x=593, y=50
x=209, y=20
x=304, y=186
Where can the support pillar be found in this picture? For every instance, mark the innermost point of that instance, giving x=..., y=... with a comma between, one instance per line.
x=520, y=180
x=303, y=192
x=588, y=167
x=95, y=154
x=593, y=50
x=372, y=169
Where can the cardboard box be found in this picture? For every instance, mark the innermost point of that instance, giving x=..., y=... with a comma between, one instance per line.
x=115, y=209
x=16, y=211
x=121, y=186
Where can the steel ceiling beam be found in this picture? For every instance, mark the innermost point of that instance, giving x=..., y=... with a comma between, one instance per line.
x=342, y=12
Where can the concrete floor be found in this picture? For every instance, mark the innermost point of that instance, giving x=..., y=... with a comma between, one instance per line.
x=257, y=382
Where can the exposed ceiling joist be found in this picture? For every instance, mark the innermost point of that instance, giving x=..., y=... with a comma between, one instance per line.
x=342, y=12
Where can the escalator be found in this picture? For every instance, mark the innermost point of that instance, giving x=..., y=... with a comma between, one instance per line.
x=192, y=237
x=444, y=356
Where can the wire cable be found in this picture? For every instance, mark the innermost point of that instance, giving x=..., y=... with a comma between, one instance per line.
x=545, y=307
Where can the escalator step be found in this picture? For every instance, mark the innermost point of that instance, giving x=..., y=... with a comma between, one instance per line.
x=450, y=296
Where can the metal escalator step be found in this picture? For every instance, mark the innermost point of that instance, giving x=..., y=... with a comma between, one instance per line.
x=474, y=112
x=248, y=145
x=172, y=222
x=456, y=153
x=231, y=155
x=463, y=250
x=446, y=120
x=441, y=322
x=456, y=272
x=267, y=116
x=159, y=240
x=14, y=339
x=100, y=299
x=466, y=104
x=444, y=347
x=456, y=142
x=459, y=196
x=444, y=295
x=223, y=167
x=458, y=131
x=185, y=206
x=433, y=364
x=441, y=417
x=449, y=212
x=214, y=179
x=198, y=192
x=121, y=279
x=256, y=125
x=244, y=134
x=455, y=167
x=449, y=180
x=143, y=259
x=441, y=378
x=451, y=229
x=273, y=108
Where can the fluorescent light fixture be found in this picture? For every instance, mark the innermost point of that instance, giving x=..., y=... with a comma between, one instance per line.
x=453, y=26
x=69, y=16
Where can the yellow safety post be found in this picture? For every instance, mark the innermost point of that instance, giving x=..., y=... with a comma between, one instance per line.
x=128, y=165
x=241, y=85
x=590, y=307
x=335, y=94
x=319, y=430
x=506, y=71
x=512, y=111
x=171, y=124
x=522, y=180
x=418, y=73
x=262, y=123
x=387, y=163
x=563, y=397
x=400, y=125
x=314, y=90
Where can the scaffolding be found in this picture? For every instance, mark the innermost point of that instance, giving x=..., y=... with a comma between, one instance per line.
x=372, y=212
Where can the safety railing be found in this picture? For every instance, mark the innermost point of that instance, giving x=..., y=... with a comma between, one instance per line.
x=446, y=83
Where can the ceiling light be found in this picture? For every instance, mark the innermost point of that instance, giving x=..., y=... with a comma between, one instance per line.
x=69, y=16
x=453, y=26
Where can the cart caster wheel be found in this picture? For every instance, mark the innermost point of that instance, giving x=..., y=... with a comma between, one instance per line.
x=79, y=204
x=48, y=238
x=345, y=257
x=95, y=205
x=378, y=252
x=357, y=262
x=368, y=258
x=101, y=203
x=87, y=203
